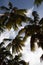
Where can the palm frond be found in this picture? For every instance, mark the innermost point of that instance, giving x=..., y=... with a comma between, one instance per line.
x=17, y=44
x=8, y=47
x=23, y=62
x=4, y=8
x=41, y=22
x=5, y=39
x=36, y=17
x=1, y=44
x=32, y=43
x=10, y=5
x=41, y=58
x=38, y=2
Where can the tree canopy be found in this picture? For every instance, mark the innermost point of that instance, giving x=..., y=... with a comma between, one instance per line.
x=13, y=17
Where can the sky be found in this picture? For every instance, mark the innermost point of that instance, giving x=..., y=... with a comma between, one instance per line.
x=32, y=57
x=26, y=4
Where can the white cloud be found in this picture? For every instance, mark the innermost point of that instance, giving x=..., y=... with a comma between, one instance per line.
x=29, y=12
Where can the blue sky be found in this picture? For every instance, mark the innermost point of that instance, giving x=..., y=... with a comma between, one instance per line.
x=18, y=3
x=26, y=4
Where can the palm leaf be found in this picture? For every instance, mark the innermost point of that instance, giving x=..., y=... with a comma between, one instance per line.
x=32, y=45
x=1, y=44
x=8, y=47
x=23, y=62
x=10, y=5
x=3, y=19
x=38, y=2
x=17, y=44
x=21, y=11
x=41, y=22
x=4, y=8
x=34, y=39
x=41, y=58
x=36, y=17
x=5, y=39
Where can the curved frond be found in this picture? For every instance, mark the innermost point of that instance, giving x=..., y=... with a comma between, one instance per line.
x=23, y=62
x=36, y=17
x=41, y=58
x=4, y=8
x=32, y=43
x=10, y=5
x=38, y=2
x=41, y=22
x=17, y=44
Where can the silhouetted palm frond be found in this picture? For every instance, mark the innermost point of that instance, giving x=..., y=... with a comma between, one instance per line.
x=17, y=44
x=32, y=45
x=4, y=8
x=41, y=58
x=13, y=17
x=17, y=60
x=10, y=5
x=41, y=22
x=36, y=17
x=34, y=39
x=38, y=2
x=5, y=39
x=23, y=62
x=4, y=54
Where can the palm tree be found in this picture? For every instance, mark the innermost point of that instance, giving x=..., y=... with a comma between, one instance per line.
x=38, y=36
x=16, y=44
x=12, y=16
x=35, y=30
x=4, y=54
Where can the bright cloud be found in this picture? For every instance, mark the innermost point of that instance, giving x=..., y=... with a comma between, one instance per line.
x=29, y=12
